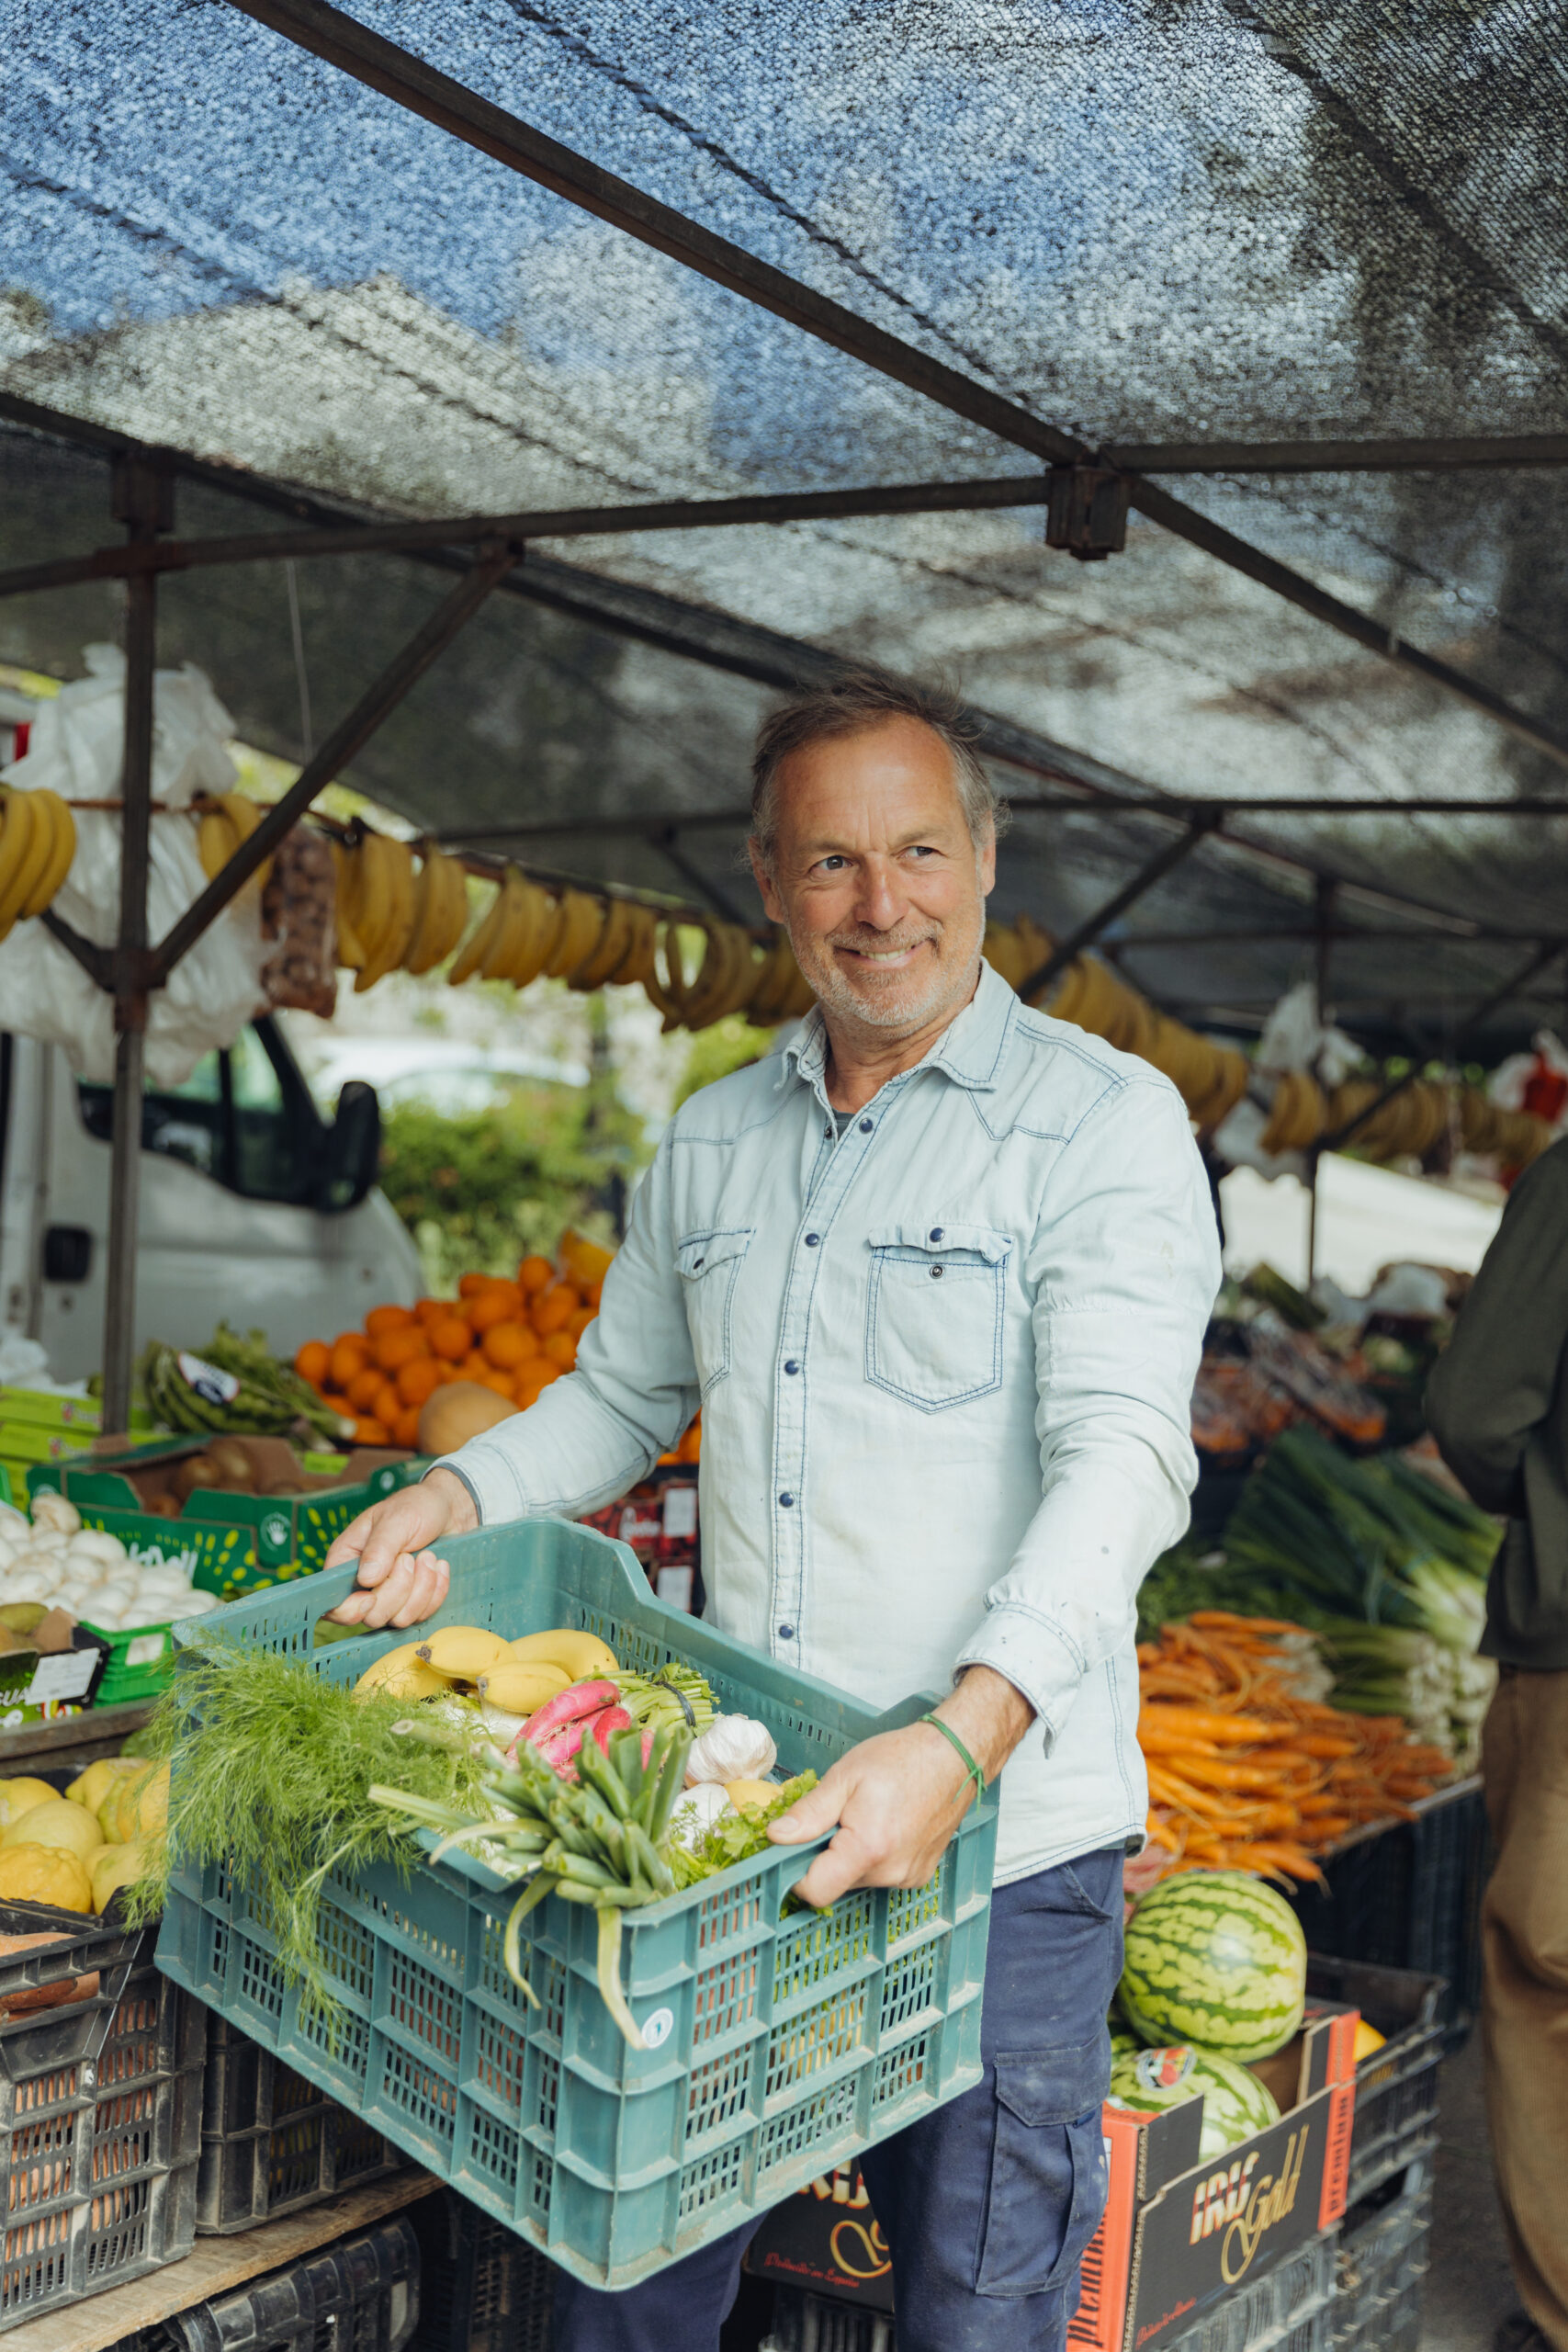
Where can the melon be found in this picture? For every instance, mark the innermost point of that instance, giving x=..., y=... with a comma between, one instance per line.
x=1218, y=1959
x=1236, y=2104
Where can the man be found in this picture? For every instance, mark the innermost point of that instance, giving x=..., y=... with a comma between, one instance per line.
x=939, y=1277
x=1498, y=1403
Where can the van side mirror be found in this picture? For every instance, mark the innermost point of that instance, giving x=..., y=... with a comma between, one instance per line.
x=353, y=1150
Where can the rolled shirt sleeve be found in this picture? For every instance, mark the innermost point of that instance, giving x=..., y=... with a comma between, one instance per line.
x=599, y=1429
x=1124, y=1266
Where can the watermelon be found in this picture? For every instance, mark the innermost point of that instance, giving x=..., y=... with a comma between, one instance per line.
x=1123, y=2043
x=1218, y=1959
x=1236, y=2104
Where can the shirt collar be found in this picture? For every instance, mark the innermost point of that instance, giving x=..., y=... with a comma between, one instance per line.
x=970, y=1049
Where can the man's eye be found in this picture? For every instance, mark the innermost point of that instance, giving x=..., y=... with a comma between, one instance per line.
x=923, y=849
x=829, y=865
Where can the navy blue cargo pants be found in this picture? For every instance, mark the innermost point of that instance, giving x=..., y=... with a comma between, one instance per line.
x=987, y=2203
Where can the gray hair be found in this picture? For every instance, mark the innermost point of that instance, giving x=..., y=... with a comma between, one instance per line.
x=851, y=705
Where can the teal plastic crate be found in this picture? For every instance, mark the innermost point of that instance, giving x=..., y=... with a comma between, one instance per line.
x=775, y=2047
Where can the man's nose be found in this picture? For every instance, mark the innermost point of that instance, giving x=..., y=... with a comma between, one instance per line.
x=879, y=902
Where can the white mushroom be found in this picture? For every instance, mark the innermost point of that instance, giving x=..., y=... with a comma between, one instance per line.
x=54, y=1512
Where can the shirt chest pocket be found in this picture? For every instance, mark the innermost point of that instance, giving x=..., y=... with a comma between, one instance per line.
x=933, y=1321
x=709, y=1264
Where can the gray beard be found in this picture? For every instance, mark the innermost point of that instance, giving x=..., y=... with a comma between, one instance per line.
x=834, y=992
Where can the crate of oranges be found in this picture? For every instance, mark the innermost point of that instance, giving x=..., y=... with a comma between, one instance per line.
x=503, y=1337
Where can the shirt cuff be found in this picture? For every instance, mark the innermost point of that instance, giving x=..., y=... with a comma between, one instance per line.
x=1034, y=1655
x=448, y=1462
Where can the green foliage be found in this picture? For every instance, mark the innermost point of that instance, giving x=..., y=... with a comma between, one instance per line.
x=477, y=1189
x=729, y=1045
x=273, y=1772
x=736, y=1837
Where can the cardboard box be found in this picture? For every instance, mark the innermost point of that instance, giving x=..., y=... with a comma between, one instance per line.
x=263, y=1533
x=1178, y=2235
x=827, y=2238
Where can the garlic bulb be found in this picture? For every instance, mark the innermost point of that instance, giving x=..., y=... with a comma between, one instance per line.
x=696, y=1811
x=54, y=1512
x=733, y=1747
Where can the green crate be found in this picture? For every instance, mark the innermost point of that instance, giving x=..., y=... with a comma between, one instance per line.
x=776, y=2046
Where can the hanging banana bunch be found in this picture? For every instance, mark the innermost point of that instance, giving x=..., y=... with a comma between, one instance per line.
x=38, y=841
x=224, y=822
x=440, y=909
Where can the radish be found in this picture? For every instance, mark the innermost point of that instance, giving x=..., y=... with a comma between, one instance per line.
x=613, y=1719
x=580, y=1698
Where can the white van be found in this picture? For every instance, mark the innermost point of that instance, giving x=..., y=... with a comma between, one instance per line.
x=255, y=1210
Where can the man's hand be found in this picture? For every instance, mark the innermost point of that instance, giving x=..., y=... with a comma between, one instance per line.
x=898, y=1799
x=401, y=1579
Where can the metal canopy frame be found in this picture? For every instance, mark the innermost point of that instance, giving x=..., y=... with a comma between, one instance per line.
x=143, y=503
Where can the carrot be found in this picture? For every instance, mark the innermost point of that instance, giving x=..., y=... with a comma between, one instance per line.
x=1217, y=1772
x=1201, y=1723
x=1321, y=1743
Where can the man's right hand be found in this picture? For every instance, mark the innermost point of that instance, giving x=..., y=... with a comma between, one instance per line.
x=402, y=1582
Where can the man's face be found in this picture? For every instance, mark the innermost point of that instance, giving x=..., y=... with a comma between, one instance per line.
x=875, y=877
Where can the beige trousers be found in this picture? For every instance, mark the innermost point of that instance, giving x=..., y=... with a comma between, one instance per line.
x=1525, y=2000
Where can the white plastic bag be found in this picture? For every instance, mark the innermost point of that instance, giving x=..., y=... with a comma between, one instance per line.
x=76, y=749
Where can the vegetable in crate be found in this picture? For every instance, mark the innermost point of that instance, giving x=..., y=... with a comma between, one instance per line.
x=234, y=1385
x=1217, y=1957
x=1236, y=2103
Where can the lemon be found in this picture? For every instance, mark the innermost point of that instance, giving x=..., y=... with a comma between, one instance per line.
x=44, y=1874
x=116, y=1813
x=114, y=1867
x=147, y=1815
x=91, y=1787
x=59, y=1823
x=18, y=1796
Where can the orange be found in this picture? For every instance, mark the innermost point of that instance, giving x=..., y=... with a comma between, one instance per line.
x=405, y=1429
x=394, y=1349
x=470, y=1285
x=535, y=1275
x=365, y=1387
x=592, y=1294
x=386, y=1405
x=416, y=1379
x=554, y=1308
x=350, y=1354
x=561, y=1348
x=311, y=1362
x=500, y=1381
x=503, y=1303
x=367, y=1431
x=339, y=1405
x=546, y=1372
x=581, y=1322
x=432, y=1310
x=691, y=1447
x=446, y=1372
x=385, y=1318
x=451, y=1338
x=505, y=1345
x=527, y=1390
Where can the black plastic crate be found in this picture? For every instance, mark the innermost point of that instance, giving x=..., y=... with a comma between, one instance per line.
x=270, y=2141
x=803, y=2322
x=1384, y=2249
x=1407, y=1894
x=1396, y=2087
x=359, y=2296
x=483, y=2289
x=100, y=2123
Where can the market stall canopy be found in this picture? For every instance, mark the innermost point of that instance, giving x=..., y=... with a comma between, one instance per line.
x=1135, y=229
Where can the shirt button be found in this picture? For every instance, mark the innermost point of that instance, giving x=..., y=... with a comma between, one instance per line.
x=786, y=1501
x=786, y=1633
x=792, y=1365
x=936, y=1232
x=812, y=1240
x=866, y=1126
x=828, y=1135
x=936, y=1273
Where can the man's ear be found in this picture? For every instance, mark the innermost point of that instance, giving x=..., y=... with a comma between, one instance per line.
x=772, y=904
x=986, y=859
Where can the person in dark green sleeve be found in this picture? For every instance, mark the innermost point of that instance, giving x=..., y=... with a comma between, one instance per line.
x=1497, y=1403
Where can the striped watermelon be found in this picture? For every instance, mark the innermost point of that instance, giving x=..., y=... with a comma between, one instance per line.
x=1124, y=2042
x=1236, y=2104
x=1215, y=1958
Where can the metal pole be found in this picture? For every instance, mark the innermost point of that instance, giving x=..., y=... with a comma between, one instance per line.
x=1068, y=950
x=141, y=500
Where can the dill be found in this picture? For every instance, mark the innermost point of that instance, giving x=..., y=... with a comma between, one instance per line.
x=273, y=1769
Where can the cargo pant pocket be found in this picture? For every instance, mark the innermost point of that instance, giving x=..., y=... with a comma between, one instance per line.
x=1048, y=2170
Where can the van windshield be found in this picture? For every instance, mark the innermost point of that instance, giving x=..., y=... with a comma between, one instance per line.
x=243, y=1117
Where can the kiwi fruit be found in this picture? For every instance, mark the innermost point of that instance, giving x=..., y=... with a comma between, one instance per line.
x=198, y=1471
x=231, y=1466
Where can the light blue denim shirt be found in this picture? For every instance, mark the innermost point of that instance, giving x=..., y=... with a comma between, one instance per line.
x=945, y=1362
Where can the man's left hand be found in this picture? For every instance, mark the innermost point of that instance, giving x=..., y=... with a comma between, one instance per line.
x=897, y=1800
